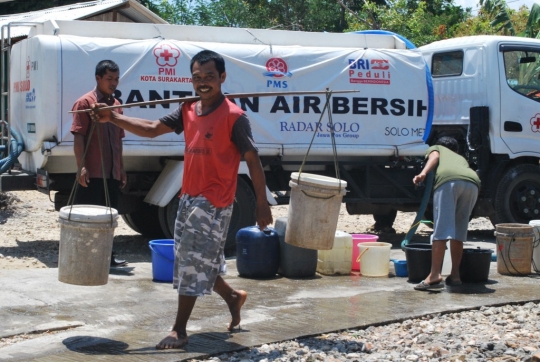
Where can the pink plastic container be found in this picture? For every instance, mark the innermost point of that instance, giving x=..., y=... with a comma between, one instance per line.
x=357, y=239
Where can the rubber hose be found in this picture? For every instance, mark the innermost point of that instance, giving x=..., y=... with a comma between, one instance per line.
x=407, y=42
x=423, y=205
x=17, y=146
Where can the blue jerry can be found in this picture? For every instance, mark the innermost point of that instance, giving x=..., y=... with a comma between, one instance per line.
x=257, y=252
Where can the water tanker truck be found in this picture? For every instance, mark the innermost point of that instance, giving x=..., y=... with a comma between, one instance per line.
x=476, y=89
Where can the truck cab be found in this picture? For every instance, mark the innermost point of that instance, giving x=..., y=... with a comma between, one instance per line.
x=487, y=95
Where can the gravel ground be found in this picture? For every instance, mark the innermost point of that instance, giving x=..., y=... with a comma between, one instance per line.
x=30, y=235
x=507, y=333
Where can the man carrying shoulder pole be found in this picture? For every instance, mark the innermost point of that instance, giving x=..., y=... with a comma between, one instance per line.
x=217, y=135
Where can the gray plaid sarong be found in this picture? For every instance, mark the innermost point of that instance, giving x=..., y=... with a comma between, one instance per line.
x=200, y=234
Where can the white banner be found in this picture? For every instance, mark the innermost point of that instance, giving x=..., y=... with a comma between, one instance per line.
x=389, y=109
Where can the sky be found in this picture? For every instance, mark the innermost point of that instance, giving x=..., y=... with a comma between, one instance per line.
x=514, y=4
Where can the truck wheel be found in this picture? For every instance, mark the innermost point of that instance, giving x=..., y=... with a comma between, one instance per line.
x=167, y=216
x=518, y=196
x=145, y=221
x=243, y=215
x=385, y=222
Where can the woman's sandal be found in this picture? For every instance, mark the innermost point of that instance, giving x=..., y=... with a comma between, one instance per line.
x=423, y=285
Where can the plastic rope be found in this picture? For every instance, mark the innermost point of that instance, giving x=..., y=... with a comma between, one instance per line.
x=334, y=147
x=75, y=187
x=536, y=244
x=420, y=222
x=105, y=188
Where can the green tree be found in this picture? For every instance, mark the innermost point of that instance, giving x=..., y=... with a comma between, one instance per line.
x=185, y=12
x=482, y=24
x=509, y=22
x=305, y=15
x=532, y=30
x=421, y=22
x=497, y=10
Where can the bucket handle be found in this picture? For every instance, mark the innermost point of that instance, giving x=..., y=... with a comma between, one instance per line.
x=512, y=235
x=318, y=197
x=362, y=253
x=158, y=253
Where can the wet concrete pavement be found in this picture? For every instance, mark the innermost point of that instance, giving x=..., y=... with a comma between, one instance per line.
x=123, y=320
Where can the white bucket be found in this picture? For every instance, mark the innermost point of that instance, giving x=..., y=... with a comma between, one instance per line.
x=536, y=245
x=338, y=260
x=314, y=210
x=375, y=259
x=86, y=239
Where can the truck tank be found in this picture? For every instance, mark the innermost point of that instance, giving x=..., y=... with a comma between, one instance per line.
x=388, y=116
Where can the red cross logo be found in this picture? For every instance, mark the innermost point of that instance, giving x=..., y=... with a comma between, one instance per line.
x=166, y=55
x=535, y=123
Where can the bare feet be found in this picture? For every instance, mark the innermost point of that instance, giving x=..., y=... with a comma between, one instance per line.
x=235, y=306
x=173, y=340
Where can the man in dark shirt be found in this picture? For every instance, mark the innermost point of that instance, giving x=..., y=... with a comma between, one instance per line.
x=91, y=176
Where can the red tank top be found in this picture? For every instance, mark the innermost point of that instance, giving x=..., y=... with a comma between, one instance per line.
x=211, y=159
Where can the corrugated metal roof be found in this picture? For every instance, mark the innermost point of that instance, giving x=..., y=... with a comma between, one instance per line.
x=82, y=10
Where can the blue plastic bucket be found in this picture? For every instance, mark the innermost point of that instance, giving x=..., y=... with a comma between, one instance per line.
x=400, y=267
x=162, y=259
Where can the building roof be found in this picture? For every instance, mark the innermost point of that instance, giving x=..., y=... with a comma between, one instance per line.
x=129, y=8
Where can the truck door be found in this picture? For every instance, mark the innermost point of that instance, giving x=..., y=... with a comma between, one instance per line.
x=520, y=96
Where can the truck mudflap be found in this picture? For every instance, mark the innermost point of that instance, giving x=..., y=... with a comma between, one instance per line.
x=169, y=184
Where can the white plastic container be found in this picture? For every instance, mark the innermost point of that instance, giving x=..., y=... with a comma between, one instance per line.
x=314, y=210
x=338, y=260
x=86, y=240
x=536, y=245
x=375, y=259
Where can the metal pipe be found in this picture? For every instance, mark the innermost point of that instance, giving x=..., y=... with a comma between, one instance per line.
x=230, y=96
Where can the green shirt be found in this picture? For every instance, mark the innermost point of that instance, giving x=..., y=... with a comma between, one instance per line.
x=452, y=166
